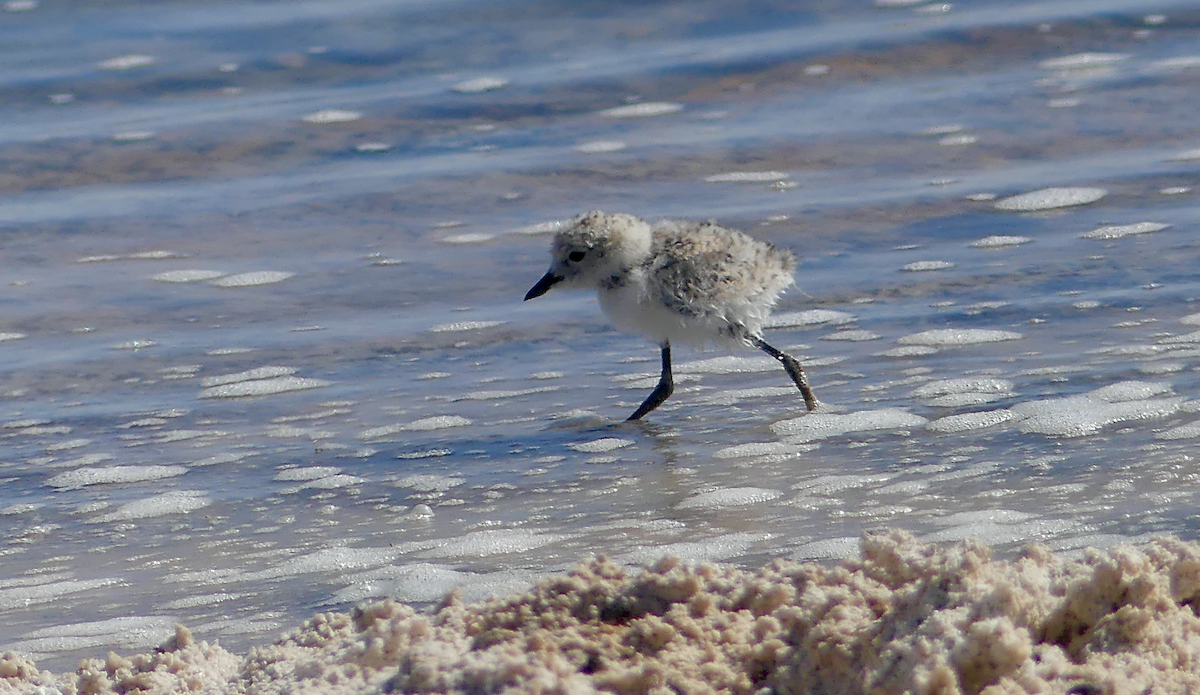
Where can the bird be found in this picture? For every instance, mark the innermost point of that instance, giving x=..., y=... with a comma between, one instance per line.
x=676, y=281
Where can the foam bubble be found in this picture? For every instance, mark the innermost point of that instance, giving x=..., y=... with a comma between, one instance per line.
x=715, y=548
x=924, y=266
x=187, y=275
x=1190, y=320
x=1187, y=156
x=338, y=559
x=72, y=480
x=23, y=424
x=1177, y=63
x=437, y=422
x=958, y=140
x=480, y=84
x=306, y=473
x=827, y=484
x=426, y=454
x=176, y=502
x=69, y=444
x=1051, y=198
x=24, y=596
x=954, y=337
x=1187, y=431
x=1118, y=231
x=1077, y=416
x=372, y=147
x=999, y=241
x=11, y=336
x=329, y=482
x=38, y=431
x=127, y=62
x=970, y=421
x=945, y=387
x=134, y=345
x=1078, y=61
x=332, y=116
x=851, y=336
x=997, y=516
x=729, y=497
x=1130, y=391
x=643, y=110
x=759, y=449
x=824, y=425
x=218, y=352
x=1193, y=337
x=228, y=457
x=812, y=317
x=464, y=326
x=468, y=238
x=600, y=146
x=600, y=445
x=494, y=542
x=958, y=400
x=496, y=395
x=747, y=177
x=263, y=387
x=133, y=135
x=248, y=375
x=428, y=482
x=252, y=279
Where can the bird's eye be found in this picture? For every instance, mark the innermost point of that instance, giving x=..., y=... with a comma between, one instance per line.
x=576, y=256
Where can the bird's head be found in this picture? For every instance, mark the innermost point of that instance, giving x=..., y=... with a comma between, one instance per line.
x=594, y=249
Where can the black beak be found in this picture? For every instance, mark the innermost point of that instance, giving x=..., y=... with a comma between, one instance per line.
x=543, y=286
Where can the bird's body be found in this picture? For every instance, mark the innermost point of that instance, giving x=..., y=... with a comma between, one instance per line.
x=675, y=282
x=700, y=283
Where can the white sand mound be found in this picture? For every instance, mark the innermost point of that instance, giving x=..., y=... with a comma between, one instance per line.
x=902, y=617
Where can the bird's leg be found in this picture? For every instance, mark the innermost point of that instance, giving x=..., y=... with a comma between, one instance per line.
x=793, y=368
x=663, y=391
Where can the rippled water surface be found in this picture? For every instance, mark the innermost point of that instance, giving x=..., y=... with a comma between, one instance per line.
x=263, y=344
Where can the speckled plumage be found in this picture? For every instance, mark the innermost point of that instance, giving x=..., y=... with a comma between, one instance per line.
x=719, y=277
x=675, y=281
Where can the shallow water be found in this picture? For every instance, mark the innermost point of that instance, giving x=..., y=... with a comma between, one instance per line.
x=424, y=428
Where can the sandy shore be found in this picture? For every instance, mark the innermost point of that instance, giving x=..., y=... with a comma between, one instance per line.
x=904, y=617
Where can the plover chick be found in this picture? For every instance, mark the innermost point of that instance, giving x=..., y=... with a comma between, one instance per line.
x=676, y=281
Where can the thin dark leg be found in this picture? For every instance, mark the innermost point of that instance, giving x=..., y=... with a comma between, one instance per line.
x=666, y=385
x=793, y=368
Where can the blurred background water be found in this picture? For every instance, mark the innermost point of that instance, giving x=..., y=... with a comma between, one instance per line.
x=264, y=352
